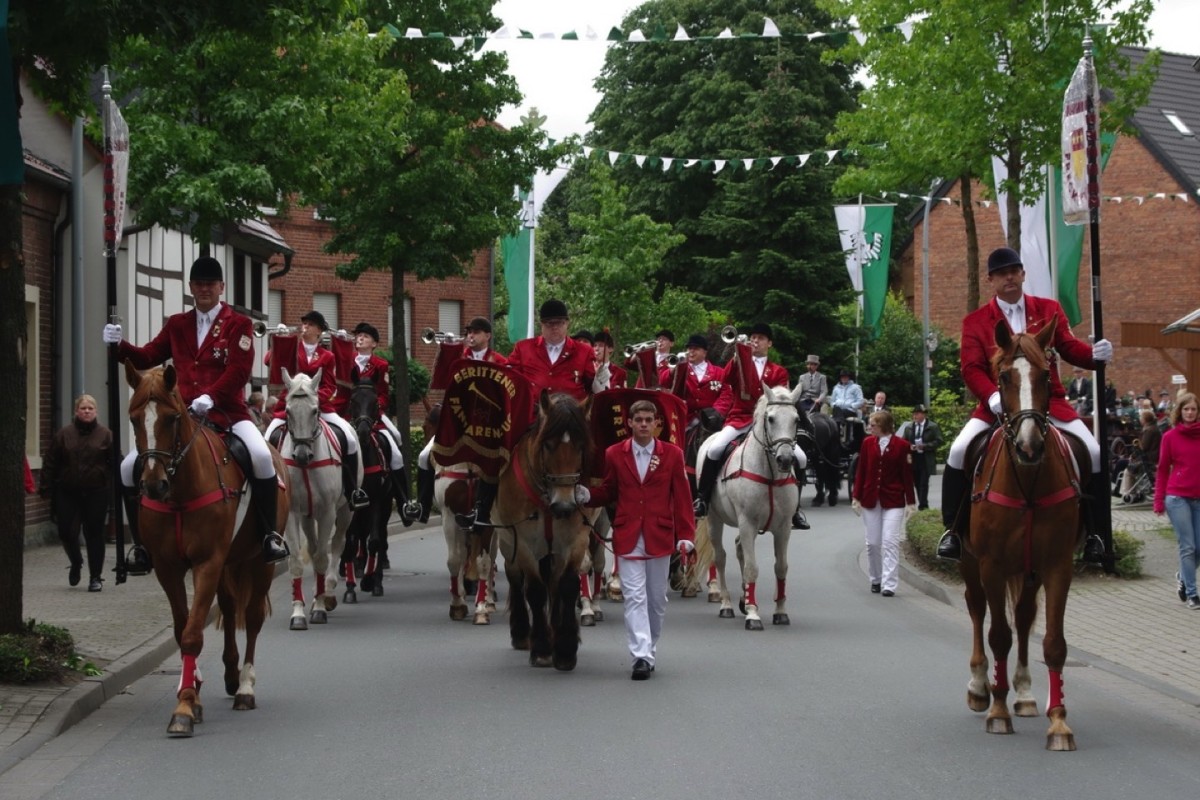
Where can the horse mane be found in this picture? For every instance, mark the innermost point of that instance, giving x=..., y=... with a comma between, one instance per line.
x=564, y=415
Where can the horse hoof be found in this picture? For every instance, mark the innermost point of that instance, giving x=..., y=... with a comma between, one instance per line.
x=999, y=725
x=491, y=608
x=481, y=619
x=318, y=617
x=742, y=607
x=615, y=597
x=231, y=687
x=689, y=592
x=367, y=583
x=587, y=620
x=754, y=625
x=599, y=615
x=458, y=613
x=714, y=597
x=564, y=664
x=1060, y=742
x=298, y=624
x=832, y=502
x=520, y=644
x=725, y=613
x=244, y=702
x=377, y=589
x=350, y=597
x=182, y=726
x=198, y=710
x=330, y=602
x=977, y=702
x=780, y=619
x=1025, y=708
x=540, y=661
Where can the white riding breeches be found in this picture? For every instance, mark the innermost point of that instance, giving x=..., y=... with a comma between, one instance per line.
x=423, y=458
x=256, y=444
x=717, y=443
x=351, y=436
x=958, y=451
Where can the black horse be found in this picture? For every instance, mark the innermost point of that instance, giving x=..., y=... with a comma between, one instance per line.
x=822, y=444
x=367, y=535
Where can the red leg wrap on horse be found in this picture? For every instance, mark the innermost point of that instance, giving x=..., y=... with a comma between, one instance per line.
x=369, y=569
x=712, y=572
x=187, y=677
x=1056, y=690
x=350, y=573
x=780, y=589
x=320, y=583
x=597, y=582
x=481, y=592
x=1000, y=675
x=297, y=590
x=454, y=586
x=585, y=587
x=750, y=601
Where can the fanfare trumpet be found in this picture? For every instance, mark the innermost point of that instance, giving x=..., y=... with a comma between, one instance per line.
x=729, y=335
x=676, y=358
x=631, y=349
x=328, y=336
x=429, y=336
x=261, y=329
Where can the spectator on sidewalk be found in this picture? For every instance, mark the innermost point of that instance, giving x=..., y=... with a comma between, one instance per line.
x=1177, y=491
x=77, y=477
x=883, y=494
x=925, y=437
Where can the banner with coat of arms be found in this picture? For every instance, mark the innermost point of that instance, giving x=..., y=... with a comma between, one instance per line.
x=486, y=410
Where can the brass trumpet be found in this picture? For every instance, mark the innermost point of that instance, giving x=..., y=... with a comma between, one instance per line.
x=261, y=329
x=430, y=336
x=327, y=337
x=632, y=349
x=729, y=335
x=676, y=358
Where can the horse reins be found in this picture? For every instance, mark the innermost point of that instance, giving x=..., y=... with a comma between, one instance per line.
x=771, y=447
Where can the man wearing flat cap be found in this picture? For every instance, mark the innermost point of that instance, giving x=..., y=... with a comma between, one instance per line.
x=738, y=413
x=924, y=437
x=212, y=348
x=1023, y=314
x=813, y=385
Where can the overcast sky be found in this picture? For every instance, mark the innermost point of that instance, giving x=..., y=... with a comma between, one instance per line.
x=557, y=76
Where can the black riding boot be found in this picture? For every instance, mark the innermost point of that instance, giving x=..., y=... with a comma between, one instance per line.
x=425, y=481
x=485, y=498
x=708, y=479
x=264, y=496
x=1097, y=503
x=798, y=519
x=954, y=488
x=407, y=509
x=355, y=496
x=137, y=560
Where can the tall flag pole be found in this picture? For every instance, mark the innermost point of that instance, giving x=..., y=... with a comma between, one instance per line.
x=1081, y=202
x=116, y=171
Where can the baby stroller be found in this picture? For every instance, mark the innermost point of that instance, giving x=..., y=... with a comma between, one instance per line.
x=1136, y=480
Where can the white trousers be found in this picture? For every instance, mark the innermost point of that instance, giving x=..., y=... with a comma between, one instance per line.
x=247, y=431
x=423, y=458
x=389, y=428
x=644, y=585
x=883, y=528
x=717, y=443
x=958, y=451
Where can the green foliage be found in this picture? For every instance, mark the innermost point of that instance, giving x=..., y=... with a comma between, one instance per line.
x=36, y=653
x=418, y=377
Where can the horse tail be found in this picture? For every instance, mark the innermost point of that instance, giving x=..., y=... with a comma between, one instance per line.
x=704, y=549
x=1015, y=588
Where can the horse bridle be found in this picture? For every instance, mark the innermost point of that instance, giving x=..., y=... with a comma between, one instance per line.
x=171, y=459
x=772, y=445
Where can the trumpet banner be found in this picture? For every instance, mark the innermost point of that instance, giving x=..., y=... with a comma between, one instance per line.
x=486, y=410
x=610, y=415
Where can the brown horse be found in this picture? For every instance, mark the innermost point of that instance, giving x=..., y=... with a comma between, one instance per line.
x=188, y=512
x=542, y=535
x=1024, y=529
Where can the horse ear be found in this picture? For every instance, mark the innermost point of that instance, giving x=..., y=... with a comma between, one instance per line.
x=132, y=376
x=796, y=396
x=169, y=377
x=544, y=401
x=316, y=379
x=1046, y=335
x=1003, y=335
x=587, y=406
x=287, y=379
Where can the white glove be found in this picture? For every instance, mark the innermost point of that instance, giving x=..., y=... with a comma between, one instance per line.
x=281, y=328
x=600, y=382
x=1102, y=350
x=582, y=494
x=112, y=334
x=341, y=332
x=685, y=547
x=202, y=405
x=856, y=507
x=994, y=403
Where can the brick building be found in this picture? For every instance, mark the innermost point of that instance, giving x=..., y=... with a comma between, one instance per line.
x=1150, y=246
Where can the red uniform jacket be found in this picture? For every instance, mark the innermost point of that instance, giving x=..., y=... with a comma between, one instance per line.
x=490, y=355
x=979, y=343
x=376, y=371
x=739, y=412
x=884, y=479
x=618, y=377
x=571, y=374
x=699, y=394
x=322, y=360
x=219, y=368
x=660, y=509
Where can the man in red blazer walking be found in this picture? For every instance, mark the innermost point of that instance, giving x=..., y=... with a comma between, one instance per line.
x=644, y=477
x=1023, y=314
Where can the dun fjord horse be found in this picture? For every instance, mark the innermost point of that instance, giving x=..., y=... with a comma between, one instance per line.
x=367, y=533
x=187, y=519
x=542, y=535
x=757, y=493
x=1023, y=532
x=471, y=564
x=319, y=511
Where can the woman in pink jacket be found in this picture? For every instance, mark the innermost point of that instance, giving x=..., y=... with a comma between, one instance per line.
x=1177, y=491
x=883, y=494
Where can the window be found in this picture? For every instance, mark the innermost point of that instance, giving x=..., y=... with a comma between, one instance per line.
x=450, y=316
x=327, y=304
x=1179, y=124
x=274, y=307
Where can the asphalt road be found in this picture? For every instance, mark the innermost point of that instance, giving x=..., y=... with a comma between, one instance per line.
x=861, y=696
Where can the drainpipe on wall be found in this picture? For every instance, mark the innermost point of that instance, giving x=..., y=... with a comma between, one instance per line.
x=58, y=279
x=287, y=267
x=77, y=288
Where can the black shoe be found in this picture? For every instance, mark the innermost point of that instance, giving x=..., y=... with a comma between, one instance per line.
x=274, y=548
x=800, y=521
x=95, y=584
x=888, y=593
x=74, y=575
x=874, y=588
x=137, y=561
x=949, y=547
x=1093, y=549
x=1180, y=589
x=641, y=670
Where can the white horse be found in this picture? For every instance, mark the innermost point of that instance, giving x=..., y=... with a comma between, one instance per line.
x=319, y=511
x=757, y=493
x=451, y=492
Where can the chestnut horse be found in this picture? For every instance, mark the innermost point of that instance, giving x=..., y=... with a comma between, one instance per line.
x=187, y=520
x=542, y=535
x=1024, y=529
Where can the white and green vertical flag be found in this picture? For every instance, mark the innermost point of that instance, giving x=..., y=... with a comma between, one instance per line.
x=866, y=234
x=517, y=252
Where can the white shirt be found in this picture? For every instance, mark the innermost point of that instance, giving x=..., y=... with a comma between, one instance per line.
x=479, y=355
x=641, y=457
x=700, y=370
x=309, y=349
x=361, y=360
x=760, y=364
x=553, y=351
x=204, y=321
x=883, y=442
x=1015, y=312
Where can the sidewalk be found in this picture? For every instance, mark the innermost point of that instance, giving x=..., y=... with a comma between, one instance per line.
x=1137, y=629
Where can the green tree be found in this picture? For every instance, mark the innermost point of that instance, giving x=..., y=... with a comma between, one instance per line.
x=760, y=242
x=423, y=202
x=978, y=78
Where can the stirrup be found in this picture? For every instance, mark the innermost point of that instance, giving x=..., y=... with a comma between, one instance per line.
x=274, y=548
x=137, y=561
x=466, y=520
x=799, y=521
x=410, y=512
x=358, y=499
x=949, y=547
x=699, y=507
x=1093, y=549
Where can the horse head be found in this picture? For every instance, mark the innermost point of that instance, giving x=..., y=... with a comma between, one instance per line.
x=776, y=420
x=303, y=415
x=561, y=450
x=364, y=408
x=1022, y=365
x=163, y=430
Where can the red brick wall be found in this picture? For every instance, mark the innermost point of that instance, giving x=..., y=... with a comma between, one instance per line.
x=1149, y=263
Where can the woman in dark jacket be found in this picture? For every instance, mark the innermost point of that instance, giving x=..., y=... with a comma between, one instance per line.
x=77, y=475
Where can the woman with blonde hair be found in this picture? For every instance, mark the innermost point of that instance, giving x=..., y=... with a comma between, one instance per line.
x=883, y=494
